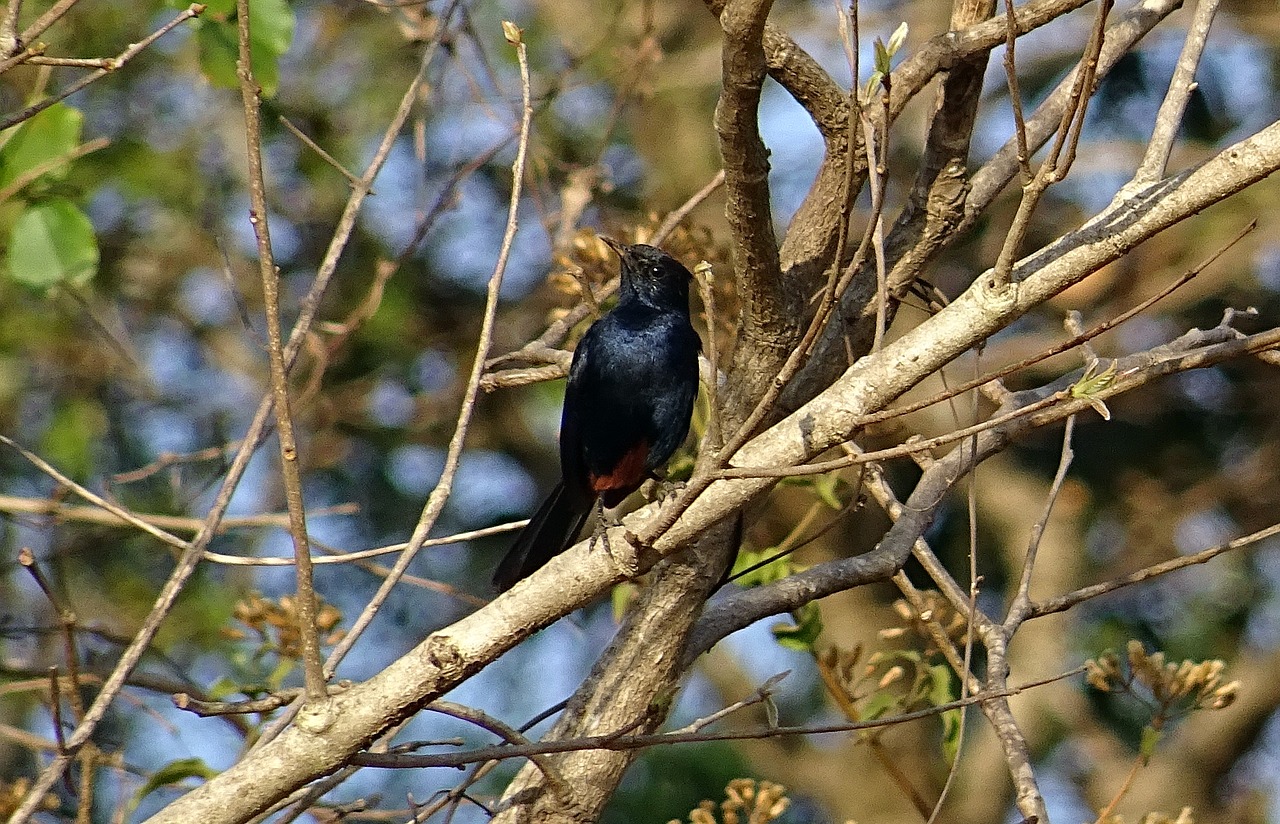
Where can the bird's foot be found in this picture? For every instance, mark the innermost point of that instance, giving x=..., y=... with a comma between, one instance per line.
x=661, y=489
x=623, y=561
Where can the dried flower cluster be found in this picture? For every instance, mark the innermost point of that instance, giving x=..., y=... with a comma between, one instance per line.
x=1188, y=683
x=759, y=803
x=937, y=610
x=896, y=680
x=276, y=623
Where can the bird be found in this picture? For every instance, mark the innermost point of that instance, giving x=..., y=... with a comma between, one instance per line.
x=627, y=405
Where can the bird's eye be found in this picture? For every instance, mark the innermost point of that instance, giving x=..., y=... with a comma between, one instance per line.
x=657, y=271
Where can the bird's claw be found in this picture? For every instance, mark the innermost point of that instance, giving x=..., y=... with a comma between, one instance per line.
x=661, y=489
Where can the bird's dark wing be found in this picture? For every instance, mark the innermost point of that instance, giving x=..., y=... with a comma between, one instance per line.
x=673, y=398
x=632, y=397
x=577, y=404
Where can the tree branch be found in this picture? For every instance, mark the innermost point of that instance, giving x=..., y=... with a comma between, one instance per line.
x=768, y=324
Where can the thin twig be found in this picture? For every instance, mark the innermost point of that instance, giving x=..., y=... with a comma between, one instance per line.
x=274, y=701
x=1183, y=83
x=290, y=472
x=1057, y=349
x=1056, y=166
x=21, y=57
x=1021, y=605
x=972, y=607
x=97, y=500
x=57, y=510
x=303, y=799
x=439, y=495
x=987, y=182
x=1015, y=94
x=559, y=785
x=613, y=741
x=762, y=695
x=900, y=451
x=116, y=63
x=44, y=21
x=878, y=177
x=55, y=709
x=677, y=215
x=66, y=621
x=1139, y=761
x=351, y=177
x=1068, y=600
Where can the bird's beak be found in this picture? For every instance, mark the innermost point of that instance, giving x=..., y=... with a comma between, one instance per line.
x=620, y=248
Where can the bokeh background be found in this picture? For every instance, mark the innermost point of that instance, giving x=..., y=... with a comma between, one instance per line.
x=157, y=362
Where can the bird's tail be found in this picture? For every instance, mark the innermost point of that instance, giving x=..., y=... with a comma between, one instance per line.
x=550, y=532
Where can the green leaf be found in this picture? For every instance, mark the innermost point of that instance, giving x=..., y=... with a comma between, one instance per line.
x=825, y=486
x=52, y=244
x=221, y=688
x=882, y=57
x=621, y=598
x=941, y=692
x=803, y=634
x=940, y=685
x=873, y=83
x=1090, y=384
x=773, y=571
x=77, y=426
x=172, y=773
x=879, y=703
x=49, y=135
x=770, y=711
x=1150, y=739
x=898, y=37
x=271, y=24
x=951, y=735
x=218, y=52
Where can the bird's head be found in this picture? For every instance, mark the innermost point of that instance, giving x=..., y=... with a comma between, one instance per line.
x=651, y=273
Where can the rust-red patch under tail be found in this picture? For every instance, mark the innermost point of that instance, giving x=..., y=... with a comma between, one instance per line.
x=625, y=477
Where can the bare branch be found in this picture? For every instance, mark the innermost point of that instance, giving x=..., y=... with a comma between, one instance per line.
x=1181, y=86
x=440, y=495
x=291, y=473
x=1021, y=605
x=117, y=62
x=768, y=327
x=990, y=180
x=1068, y=600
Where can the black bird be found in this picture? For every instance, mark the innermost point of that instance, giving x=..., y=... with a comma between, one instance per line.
x=627, y=405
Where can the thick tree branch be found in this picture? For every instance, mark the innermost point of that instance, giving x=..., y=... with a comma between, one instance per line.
x=1194, y=350
x=768, y=325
